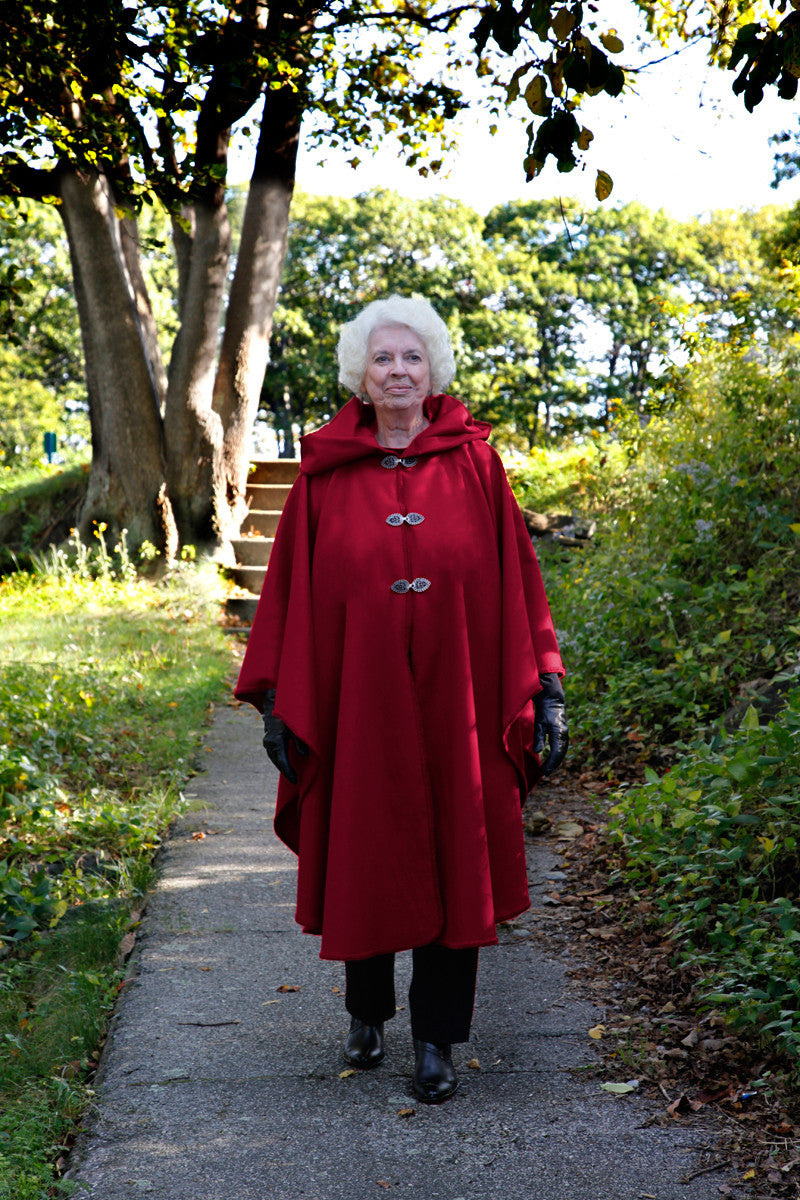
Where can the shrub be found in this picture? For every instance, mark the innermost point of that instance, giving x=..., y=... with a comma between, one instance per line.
x=716, y=843
x=692, y=588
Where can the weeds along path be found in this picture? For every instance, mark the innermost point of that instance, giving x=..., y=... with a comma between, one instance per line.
x=223, y=1075
x=697, y=1072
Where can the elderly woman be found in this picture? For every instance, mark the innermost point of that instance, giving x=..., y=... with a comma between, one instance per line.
x=405, y=661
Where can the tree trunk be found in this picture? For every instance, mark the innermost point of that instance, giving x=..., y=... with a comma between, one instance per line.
x=131, y=248
x=193, y=430
x=126, y=483
x=254, y=291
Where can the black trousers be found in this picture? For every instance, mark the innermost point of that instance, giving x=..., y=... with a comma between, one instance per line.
x=441, y=997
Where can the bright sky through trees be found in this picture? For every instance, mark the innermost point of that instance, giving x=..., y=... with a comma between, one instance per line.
x=683, y=141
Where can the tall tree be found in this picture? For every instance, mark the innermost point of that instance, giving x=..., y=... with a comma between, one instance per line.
x=632, y=264
x=41, y=368
x=345, y=252
x=106, y=103
x=534, y=369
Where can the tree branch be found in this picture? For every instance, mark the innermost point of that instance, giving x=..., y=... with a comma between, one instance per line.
x=32, y=182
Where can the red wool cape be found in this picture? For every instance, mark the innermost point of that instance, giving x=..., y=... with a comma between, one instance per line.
x=416, y=705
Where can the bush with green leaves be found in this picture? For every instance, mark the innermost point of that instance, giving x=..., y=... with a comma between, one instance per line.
x=715, y=843
x=692, y=587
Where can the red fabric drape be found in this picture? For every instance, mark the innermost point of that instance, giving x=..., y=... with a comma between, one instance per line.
x=416, y=706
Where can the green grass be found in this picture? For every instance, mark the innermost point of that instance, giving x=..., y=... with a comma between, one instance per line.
x=36, y=503
x=104, y=689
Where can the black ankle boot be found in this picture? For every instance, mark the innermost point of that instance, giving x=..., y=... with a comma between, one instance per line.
x=435, y=1078
x=364, y=1045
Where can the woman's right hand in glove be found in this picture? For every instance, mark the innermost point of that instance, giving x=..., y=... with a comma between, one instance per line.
x=277, y=737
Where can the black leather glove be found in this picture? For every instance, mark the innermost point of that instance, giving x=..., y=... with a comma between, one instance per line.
x=551, y=722
x=277, y=737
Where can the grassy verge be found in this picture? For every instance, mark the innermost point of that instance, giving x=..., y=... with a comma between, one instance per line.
x=37, y=505
x=105, y=686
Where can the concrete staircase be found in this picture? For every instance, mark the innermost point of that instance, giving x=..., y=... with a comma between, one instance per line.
x=268, y=484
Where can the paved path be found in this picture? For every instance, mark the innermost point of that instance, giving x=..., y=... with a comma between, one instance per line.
x=216, y=1085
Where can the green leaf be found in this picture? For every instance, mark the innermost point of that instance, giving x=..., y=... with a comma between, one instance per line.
x=750, y=719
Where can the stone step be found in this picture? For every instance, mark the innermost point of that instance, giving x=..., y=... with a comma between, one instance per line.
x=273, y=470
x=268, y=484
x=243, y=608
x=250, y=578
x=252, y=551
x=267, y=496
x=261, y=523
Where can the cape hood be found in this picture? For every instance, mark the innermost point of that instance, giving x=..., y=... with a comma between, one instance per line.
x=350, y=435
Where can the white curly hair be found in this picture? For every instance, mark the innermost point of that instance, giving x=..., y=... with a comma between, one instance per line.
x=414, y=313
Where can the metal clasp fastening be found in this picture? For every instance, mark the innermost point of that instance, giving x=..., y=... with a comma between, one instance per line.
x=390, y=461
x=409, y=519
x=420, y=584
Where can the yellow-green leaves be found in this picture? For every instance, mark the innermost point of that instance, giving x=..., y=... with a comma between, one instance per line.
x=563, y=23
x=536, y=96
x=611, y=42
x=603, y=185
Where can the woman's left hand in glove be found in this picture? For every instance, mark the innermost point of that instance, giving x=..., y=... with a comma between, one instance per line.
x=551, y=722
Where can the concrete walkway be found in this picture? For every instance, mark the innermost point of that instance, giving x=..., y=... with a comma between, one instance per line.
x=218, y=1085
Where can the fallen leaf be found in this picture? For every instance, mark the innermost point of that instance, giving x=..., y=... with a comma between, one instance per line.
x=198, y=835
x=384, y=1183
x=620, y=1089
x=568, y=829
x=474, y=1065
x=127, y=943
x=597, y=1032
x=346, y=1074
x=288, y=987
x=406, y=1112
x=782, y=1130
x=751, y=1174
x=683, y=1105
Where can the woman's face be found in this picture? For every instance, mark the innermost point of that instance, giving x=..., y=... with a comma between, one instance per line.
x=398, y=371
